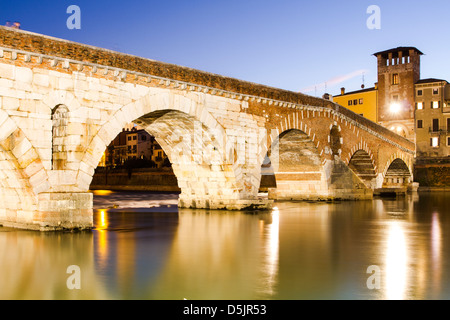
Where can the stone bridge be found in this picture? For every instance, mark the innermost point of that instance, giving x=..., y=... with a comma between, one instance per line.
x=62, y=103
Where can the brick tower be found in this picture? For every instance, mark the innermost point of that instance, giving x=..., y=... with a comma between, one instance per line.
x=398, y=71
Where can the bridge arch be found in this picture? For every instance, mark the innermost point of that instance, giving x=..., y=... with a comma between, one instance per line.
x=297, y=165
x=363, y=165
x=14, y=142
x=397, y=174
x=22, y=176
x=192, y=139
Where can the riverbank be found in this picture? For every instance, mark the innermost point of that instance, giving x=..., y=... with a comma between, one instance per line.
x=149, y=179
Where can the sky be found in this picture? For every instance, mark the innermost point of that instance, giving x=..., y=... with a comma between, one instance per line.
x=304, y=46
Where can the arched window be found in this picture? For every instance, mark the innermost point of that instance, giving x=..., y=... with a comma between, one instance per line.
x=60, y=120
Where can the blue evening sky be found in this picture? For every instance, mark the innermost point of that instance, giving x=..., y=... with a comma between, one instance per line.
x=291, y=44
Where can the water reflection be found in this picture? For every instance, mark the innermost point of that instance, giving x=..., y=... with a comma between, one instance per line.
x=34, y=265
x=297, y=251
x=269, y=231
x=216, y=255
x=396, y=264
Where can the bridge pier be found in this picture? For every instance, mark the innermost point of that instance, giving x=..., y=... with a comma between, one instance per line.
x=293, y=187
x=54, y=211
x=336, y=182
x=65, y=210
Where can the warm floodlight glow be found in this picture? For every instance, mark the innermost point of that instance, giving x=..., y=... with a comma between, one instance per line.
x=395, y=107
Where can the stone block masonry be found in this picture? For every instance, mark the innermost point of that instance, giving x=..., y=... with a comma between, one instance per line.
x=62, y=103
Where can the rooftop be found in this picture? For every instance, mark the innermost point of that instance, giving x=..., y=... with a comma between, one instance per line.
x=357, y=91
x=398, y=49
x=430, y=80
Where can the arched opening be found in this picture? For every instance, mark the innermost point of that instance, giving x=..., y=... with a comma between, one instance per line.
x=196, y=155
x=297, y=166
x=135, y=160
x=268, y=180
x=361, y=164
x=397, y=175
x=399, y=129
x=60, y=121
x=335, y=141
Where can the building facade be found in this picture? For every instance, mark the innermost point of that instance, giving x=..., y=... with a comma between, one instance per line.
x=363, y=102
x=133, y=144
x=432, y=117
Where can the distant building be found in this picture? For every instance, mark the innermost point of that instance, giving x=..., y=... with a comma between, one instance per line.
x=139, y=144
x=398, y=72
x=391, y=102
x=363, y=102
x=132, y=144
x=432, y=118
x=418, y=109
x=116, y=152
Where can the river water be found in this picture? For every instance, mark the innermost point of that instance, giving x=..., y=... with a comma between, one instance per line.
x=144, y=247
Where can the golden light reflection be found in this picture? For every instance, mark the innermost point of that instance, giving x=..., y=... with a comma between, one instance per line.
x=396, y=262
x=436, y=243
x=271, y=252
x=102, y=192
x=102, y=224
x=102, y=241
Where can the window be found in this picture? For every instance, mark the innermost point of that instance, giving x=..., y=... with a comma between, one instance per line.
x=134, y=137
x=355, y=102
x=435, y=91
x=129, y=138
x=395, y=98
x=448, y=125
x=395, y=78
x=435, y=104
x=350, y=102
x=448, y=141
x=419, y=124
x=419, y=105
x=435, y=127
x=434, y=142
x=419, y=92
x=361, y=101
x=143, y=138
